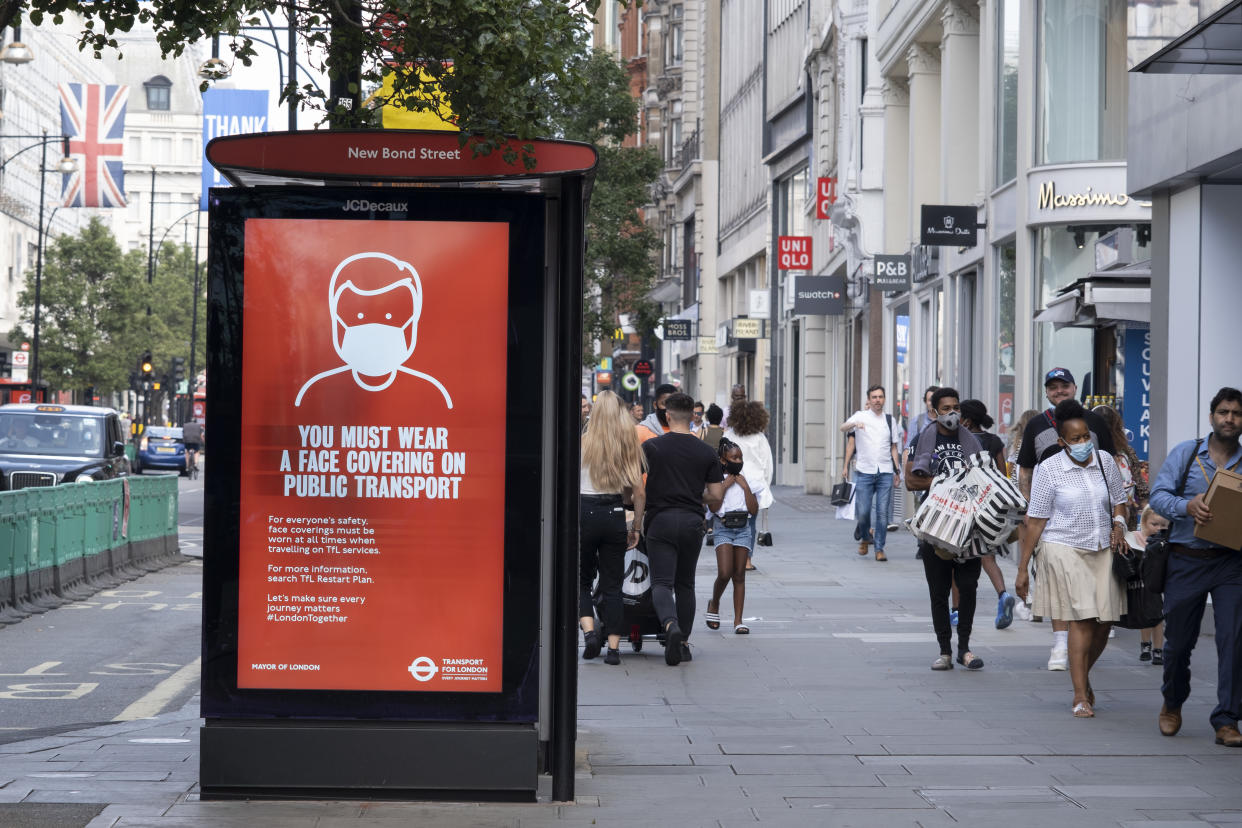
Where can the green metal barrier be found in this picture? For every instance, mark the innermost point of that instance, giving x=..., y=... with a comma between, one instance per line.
x=57, y=540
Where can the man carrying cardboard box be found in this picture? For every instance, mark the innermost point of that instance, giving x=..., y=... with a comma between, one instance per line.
x=1199, y=567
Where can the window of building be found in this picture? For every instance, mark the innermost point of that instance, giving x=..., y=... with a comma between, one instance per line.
x=674, y=44
x=1007, y=16
x=1006, y=296
x=1082, y=81
x=791, y=200
x=159, y=93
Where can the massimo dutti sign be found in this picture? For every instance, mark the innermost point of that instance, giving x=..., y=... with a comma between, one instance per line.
x=1083, y=193
x=948, y=225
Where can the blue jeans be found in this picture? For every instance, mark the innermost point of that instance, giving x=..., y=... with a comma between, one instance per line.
x=878, y=486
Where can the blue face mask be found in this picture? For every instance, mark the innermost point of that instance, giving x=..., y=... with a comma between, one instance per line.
x=1081, y=451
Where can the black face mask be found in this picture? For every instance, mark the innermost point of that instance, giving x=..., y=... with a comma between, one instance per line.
x=662, y=416
x=732, y=468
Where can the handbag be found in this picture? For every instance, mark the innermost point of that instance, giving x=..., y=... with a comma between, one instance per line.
x=1144, y=606
x=735, y=520
x=842, y=493
x=1155, y=562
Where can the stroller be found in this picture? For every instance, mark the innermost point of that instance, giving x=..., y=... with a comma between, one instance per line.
x=638, y=613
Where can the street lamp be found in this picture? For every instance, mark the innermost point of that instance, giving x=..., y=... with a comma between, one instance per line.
x=16, y=53
x=66, y=165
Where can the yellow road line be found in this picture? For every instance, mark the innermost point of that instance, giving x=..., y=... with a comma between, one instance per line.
x=154, y=702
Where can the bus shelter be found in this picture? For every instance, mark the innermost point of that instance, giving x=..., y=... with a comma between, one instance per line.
x=390, y=546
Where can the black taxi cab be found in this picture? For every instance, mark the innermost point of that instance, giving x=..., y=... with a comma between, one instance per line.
x=44, y=445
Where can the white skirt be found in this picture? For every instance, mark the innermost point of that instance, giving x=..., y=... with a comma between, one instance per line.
x=1077, y=584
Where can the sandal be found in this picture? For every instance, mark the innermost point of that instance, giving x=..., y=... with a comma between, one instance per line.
x=712, y=619
x=970, y=661
x=1082, y=710
x=741, y=629
x=944, y=662
x=750, y=567
x=880, y=556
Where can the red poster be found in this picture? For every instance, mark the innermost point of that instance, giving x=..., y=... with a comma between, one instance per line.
x=373, y=455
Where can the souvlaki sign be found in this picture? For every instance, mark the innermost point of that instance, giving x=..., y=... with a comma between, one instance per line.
x=1070, y=194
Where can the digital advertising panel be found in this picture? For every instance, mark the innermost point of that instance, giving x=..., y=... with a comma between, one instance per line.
x=387, y=454
x=371, y=465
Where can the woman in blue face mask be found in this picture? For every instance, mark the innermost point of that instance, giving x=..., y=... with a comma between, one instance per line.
x=1077, y=517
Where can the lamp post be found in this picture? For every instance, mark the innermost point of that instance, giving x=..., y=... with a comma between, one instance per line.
x=66, y=165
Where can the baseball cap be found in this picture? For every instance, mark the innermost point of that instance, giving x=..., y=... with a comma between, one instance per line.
x=1061, y=374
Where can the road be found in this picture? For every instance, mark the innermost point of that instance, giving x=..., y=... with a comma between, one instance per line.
x=122, y=654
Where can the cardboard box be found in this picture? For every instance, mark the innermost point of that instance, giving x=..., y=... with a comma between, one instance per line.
x=1224, y=498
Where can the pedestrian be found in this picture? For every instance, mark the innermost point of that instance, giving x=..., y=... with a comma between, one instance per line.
x=733, y=534
x=1076, y=515
x=697, y=425
x=682, y=474
x=748, y=420
x=1198, y=568
x=713, y=431
x=736, y=394
x=1039, y=442
x=924, y=418
x=611, y=475
x=976, y=419
x=1127, y=460
x=943, y=447
x=586, y=411
x=1015, y=443
x=877, y=447
x=636, y=411
x=656, y=423
x=1150, y=523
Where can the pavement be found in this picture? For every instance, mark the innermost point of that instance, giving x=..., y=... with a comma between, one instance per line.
x=827, y=714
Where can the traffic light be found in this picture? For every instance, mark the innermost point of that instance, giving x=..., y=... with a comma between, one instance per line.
x=146, y=367
x=178, y=369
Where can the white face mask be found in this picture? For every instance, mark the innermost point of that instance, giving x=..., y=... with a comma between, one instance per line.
x=375, y=350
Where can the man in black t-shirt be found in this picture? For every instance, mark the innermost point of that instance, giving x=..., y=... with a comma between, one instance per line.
x=1039, y=442
x=683, y=474
x=953, y=444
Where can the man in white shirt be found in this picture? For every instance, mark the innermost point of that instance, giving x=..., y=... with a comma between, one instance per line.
x=878, y=439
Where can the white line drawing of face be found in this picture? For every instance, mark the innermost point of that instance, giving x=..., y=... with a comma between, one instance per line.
x=374, y=348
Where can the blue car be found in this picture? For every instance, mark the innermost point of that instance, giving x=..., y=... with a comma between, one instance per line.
x=162, y=448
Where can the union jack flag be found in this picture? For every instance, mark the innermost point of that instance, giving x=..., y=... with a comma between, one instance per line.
x=93, y=116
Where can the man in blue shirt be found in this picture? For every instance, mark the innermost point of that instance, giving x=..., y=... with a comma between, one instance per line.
x=1198, y=568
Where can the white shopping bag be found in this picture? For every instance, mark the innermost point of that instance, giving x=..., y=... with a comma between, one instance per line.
x=846, y=512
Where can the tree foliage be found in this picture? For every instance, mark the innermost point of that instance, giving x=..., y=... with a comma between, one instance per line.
x=94, y=325
x=621, y=246
x=504, y=54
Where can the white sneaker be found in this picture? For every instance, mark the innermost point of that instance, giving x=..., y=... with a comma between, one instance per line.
x=1021, y=611
x=1059, y=660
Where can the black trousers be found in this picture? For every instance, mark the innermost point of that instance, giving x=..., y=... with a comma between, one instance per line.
x=601, y=547
x=674, y=540
x=941, y=575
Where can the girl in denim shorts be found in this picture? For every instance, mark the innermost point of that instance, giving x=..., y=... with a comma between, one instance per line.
x=733, y=535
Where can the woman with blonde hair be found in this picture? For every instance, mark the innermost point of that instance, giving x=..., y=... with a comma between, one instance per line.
x=611, y=473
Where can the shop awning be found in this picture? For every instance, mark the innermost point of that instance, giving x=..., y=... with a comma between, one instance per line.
x=1214, y=47
x=1102, y=297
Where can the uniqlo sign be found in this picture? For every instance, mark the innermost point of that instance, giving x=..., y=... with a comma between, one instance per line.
x=793, y=253
x=825, y=196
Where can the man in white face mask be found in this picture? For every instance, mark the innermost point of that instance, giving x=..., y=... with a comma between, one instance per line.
x=375, y=301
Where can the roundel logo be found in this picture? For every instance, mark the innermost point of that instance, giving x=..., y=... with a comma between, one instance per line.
x=422, y=669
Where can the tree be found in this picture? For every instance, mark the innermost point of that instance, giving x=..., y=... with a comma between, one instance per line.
x=621, y=246
x=493, y=59
x=94, y=323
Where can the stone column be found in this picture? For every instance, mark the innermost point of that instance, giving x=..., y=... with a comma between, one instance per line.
x=923, y=63
x=896, y=166
x=959, y=97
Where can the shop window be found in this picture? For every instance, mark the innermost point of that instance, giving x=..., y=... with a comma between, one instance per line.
x=159, y=93
x=1082, y=81
x=1006, y=311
